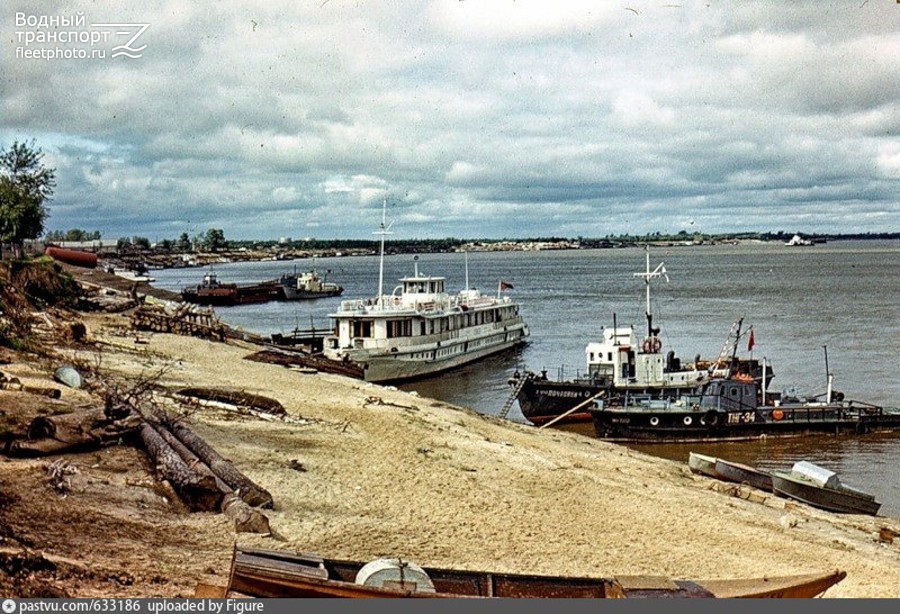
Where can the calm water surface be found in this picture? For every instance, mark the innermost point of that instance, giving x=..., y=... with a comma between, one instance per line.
x=840, y=299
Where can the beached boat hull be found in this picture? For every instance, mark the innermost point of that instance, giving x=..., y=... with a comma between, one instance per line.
x=841, y=500
x=74, y=257
x=743, y=474
x=702, y=464
x=265, y=573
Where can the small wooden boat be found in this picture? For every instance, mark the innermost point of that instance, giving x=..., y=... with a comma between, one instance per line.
x=743, y=474
x=702, y=464
x=821, y=488
x=267, y=573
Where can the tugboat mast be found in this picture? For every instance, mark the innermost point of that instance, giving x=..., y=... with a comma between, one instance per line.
x=659, y=271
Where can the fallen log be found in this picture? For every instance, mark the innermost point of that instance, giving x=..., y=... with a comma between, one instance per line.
x=245, y=518
x=73, y=432
x=251, y=493
x=200, y=493
x=236, y=397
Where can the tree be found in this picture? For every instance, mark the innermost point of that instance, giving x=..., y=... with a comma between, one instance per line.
x=184, y=243
x=25, y=185
x=215, y=239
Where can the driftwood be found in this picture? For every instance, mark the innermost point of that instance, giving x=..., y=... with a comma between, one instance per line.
x=288, y=358
x=74, y=432
x=236, y=397
x=250, y=493
x=245, y=518
x=197, y=491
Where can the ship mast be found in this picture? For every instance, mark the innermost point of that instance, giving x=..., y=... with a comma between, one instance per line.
x=383, y=230
x=659, y=271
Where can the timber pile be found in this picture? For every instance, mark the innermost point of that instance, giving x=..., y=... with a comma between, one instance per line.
x=185, y=319
x=199, y=475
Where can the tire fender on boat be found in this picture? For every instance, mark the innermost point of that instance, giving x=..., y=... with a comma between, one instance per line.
x=654, y=421
x=688, y=420
x=711, y=418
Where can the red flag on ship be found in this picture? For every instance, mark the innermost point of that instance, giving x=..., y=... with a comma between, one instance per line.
x=751, y=341
x=505, y=285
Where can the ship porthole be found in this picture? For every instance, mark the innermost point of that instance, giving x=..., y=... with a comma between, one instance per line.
x=654, y=421
x=688, y=420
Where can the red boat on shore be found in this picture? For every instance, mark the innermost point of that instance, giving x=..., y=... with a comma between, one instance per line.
x=74, y=257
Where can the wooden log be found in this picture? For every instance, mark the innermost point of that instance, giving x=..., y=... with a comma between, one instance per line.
x=250, y=492
x=245, y=518
x=74, y=432
x=199, y=493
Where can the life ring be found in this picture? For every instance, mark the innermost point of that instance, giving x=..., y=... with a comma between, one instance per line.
x=657, y=344
x=647, y=345
x=688, y=420
x=777, y=414
x=654, y=421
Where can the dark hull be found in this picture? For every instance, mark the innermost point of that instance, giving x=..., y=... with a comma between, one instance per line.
x=232, y=295
x=834, y=500
x=668, y=425
x=541, y=401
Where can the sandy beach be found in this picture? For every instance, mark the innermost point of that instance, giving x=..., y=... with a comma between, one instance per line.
x=364, y=471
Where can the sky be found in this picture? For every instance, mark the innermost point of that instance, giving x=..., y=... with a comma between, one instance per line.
x=470, y=119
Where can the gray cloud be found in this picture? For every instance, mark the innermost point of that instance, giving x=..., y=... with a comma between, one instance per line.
x=474, y=119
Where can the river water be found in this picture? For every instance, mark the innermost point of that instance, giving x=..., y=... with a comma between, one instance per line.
x=838, y=301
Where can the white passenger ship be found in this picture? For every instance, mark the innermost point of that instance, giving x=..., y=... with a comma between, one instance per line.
x=420, y=330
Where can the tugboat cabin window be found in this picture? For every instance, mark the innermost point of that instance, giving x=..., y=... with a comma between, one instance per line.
x=362, y=328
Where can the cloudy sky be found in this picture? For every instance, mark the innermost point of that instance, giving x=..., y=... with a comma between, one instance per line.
x=473, y=118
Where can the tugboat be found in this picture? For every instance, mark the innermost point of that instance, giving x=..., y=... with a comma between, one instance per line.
x=307, y=285
x=619, y=364
x=736, y=408
x=420, y=329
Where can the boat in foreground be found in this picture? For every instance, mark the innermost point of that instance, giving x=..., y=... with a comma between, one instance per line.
x=731, y=471
x=420, y=329
x=822, y=488
x=268, y=573
x=702, y=464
